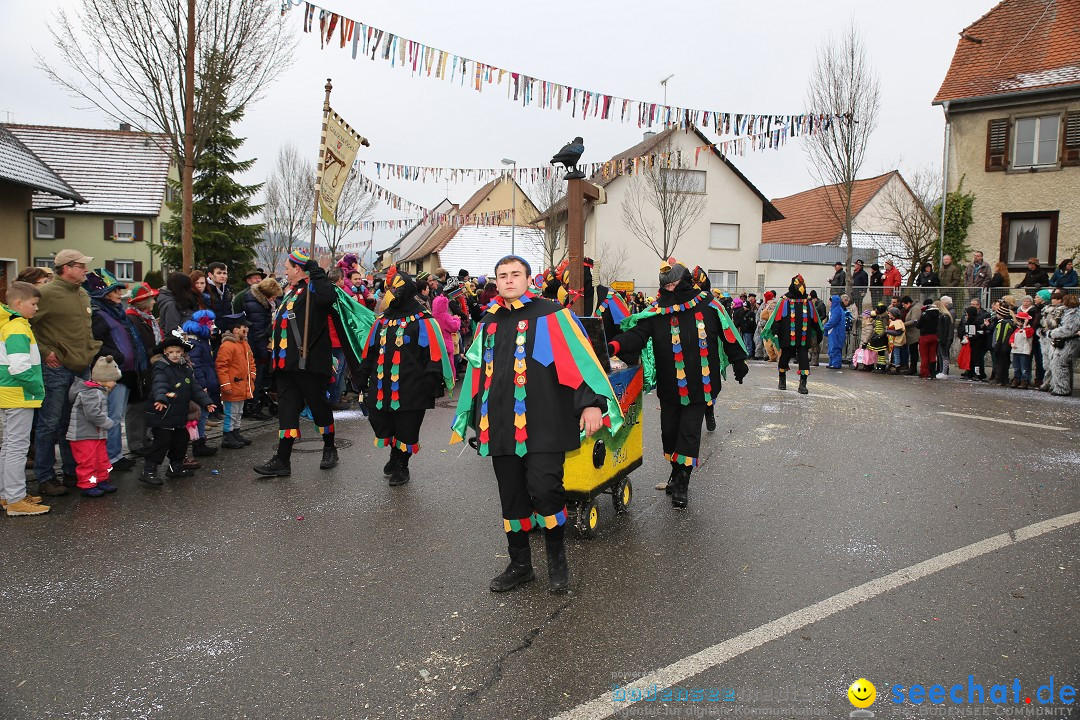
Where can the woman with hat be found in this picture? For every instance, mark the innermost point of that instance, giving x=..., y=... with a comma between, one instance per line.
x=141, y=299
x=122, y=341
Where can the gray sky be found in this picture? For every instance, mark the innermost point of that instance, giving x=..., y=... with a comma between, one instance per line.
x=727, y=56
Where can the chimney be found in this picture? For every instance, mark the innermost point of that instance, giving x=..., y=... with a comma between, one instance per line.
x=126, y=127
x=648, y=134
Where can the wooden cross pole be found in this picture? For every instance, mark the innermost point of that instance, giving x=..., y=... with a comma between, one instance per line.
x=315, y=217
x=577, y=192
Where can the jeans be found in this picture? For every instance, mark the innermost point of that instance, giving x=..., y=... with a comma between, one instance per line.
x=748, y=341
x=897, y=355
x=114, y=441
x=51, y=424
x=1021, y=367
x=338, y=385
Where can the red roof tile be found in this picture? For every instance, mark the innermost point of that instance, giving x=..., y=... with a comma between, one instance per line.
x=1018, y=45
x=807, y=217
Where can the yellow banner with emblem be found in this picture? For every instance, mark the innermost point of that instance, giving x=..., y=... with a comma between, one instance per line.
x=340, y=145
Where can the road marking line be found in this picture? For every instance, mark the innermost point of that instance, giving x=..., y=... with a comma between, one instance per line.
x=604, y=707
x=1007, y=422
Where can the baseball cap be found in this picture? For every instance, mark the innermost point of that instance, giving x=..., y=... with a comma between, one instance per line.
x=66, y=257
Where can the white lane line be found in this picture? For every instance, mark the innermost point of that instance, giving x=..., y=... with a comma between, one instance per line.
x=1007, y=422
x=603, y=706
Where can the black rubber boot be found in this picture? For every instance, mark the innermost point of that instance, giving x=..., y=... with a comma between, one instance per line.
x=274, y=467
x=149, y=475
x=802, y=385
x=680, y=494
x=783, y=381
x=558, y=572
x=520, y=569
x=400, y=475
x=710, y=418
x=230, y=441
x=388, y=468
x=241, y=437
x=199, y=448
x=329, y=457
x=671, y=478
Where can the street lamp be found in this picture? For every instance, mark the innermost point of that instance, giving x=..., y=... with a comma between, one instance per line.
x=513, y=202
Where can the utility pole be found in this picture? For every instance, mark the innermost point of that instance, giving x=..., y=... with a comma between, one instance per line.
x=664, y=83
x=187, y=246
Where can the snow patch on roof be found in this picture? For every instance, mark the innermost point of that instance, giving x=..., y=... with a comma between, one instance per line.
x=1056, y=76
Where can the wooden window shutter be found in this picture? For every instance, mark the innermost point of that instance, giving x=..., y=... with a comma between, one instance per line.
x=110, y=265
x=138, y=230
x=997, y=144
x=58, y=228
x=109, y=231
x=1070, y=155
x=137, y=273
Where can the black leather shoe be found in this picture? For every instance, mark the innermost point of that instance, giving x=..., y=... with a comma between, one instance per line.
x=388, y=468
x=243, y=438
x=274, y=467
x=558, y=572
x=329, y=458
x=783, y=382
x=802, y=385
x=679, y=494
x=710, y=420
x=399, y=476
x=150, y=476
x=515, y=574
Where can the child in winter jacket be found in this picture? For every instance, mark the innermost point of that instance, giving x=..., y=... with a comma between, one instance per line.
x=236, y=375
x=197, y=332
x=89, y=426
x=897, y=339
x=172, y=389
x=1000, y=345
x=1022, y=344
x=21, y=390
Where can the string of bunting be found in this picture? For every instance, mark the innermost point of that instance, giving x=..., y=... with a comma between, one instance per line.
x=425, y=216
x=424, y=60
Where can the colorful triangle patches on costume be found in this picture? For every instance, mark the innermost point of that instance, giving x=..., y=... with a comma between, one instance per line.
x=535, y=520
x=681, y=459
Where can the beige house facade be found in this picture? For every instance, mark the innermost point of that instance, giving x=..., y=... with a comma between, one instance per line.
x=1013, y=128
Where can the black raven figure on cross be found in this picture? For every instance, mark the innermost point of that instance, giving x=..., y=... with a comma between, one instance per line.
x=569, y=155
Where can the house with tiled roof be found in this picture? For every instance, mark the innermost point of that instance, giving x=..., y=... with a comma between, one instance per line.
x=412, y=238
x=22, y=174
x=1011, y=99
x=123, y=177
x=724, y=240
x=502, y=195
x=811, y=220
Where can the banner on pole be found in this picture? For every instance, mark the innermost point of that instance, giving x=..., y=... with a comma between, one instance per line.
x=338, y=154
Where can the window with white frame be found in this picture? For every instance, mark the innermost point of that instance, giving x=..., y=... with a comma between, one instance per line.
x=1036, y=141
x=124, y=270
x=45, y=228
x=724, y=279
x=723, y=236
x=44, y=262
x=684, y=181
x=124, y=230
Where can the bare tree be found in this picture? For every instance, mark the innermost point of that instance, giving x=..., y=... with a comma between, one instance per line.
x=611, y=262
x=128, y=58
x=545, y=193
x=844, y=86
x=668, y=191
x=290, y=202
x=354, y=207
x=906, y=213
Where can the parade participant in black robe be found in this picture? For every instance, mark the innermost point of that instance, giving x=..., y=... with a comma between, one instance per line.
x=794, y=327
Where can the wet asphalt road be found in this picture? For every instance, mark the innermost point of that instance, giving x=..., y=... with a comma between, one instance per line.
x=332, y=595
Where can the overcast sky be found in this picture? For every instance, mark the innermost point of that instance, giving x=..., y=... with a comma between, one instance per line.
x=727, y=56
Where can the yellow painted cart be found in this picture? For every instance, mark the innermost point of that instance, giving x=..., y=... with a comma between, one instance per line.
x=604, y=461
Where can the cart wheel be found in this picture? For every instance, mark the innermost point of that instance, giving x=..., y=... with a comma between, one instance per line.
x=621, y=495
x=590, y=518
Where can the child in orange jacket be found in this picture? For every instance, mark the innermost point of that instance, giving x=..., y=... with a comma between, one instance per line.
x=236, y=373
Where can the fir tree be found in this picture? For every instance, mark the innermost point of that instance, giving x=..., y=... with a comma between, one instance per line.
x=221, y=205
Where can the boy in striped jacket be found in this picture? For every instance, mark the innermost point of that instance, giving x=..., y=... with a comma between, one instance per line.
x=21, y=390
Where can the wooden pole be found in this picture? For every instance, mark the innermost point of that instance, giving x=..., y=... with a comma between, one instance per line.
x=577, y=192
x=315, y=218
x=187, y=223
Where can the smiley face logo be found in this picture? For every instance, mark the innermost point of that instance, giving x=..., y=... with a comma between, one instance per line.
x=862, y=693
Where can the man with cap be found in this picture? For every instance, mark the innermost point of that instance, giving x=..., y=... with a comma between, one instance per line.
x=302, y=373
x=860, y=282
x=66, y=341
x=794, y=326
x=423, y=290
x=693, y=342
x=838, y=282
x=253, y=278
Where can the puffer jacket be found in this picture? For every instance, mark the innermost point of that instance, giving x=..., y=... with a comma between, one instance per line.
x=448, y=322
x=174, y=385
x=170, y=315
x=235, y=369
x=21, y=383
x=259, y=311
x=89, y=411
